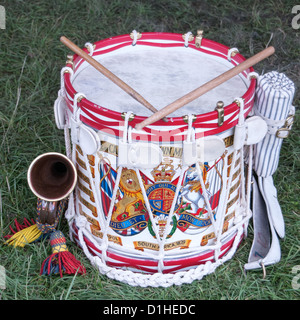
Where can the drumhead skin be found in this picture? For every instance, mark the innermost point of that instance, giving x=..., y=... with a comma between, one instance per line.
x=145, y=222
x=161, y=76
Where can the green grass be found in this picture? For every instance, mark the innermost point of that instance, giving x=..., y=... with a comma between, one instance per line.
x=31, y=57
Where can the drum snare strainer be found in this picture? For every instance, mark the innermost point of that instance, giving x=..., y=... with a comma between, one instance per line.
x=170, y=203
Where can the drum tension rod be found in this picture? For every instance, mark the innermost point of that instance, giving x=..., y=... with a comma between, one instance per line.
x=70, y=61
x=220, y=109
x=198, y=39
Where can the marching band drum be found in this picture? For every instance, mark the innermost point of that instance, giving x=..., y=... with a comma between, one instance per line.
x=169, y=203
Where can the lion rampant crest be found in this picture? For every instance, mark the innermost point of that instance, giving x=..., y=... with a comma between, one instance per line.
x=132, y=202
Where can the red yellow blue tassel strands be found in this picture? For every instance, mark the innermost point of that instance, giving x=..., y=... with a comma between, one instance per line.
x=19, y=227
x=30, y=233
x=26, y=233
x=61, y=260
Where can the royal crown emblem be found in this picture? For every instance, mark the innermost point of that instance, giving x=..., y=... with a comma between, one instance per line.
x=164, y=171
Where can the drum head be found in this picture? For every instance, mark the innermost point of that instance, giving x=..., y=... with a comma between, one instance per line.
x=160, y=75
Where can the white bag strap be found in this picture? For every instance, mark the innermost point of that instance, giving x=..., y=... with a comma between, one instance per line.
x=265, y=248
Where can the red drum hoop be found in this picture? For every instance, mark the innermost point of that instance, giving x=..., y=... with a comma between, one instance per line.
x=95, y=115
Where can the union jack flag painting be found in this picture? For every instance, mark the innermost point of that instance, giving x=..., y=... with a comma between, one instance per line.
x=107, y=183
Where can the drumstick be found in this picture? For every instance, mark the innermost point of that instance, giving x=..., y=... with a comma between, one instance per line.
x=97, y=65
x=206, y=87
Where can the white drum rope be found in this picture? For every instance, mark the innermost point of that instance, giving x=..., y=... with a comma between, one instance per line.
x=135, y=36
x=230, y=52
x=90, y=48
x=186, y=40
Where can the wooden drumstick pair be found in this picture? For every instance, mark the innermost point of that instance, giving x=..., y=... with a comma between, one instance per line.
x=189, y=97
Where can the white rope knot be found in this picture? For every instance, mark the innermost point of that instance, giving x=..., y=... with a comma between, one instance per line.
x=231, y=52
x=95, y=260
x=161, y=256
x=186, y=40
x=191, y=131
x=135, y=37
x=90, y=48
x=252, y=75
x=241, y=104
x=126, y=120
x=237, y=219
x=76, y=110
x=70, y=212
x=62, y=81
x=81, y=222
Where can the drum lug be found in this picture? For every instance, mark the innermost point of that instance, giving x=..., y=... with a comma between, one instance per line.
x=199, y=38
x=220, y=109
x=70, y=61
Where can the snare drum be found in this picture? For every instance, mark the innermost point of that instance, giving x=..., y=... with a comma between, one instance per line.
x=170, y=203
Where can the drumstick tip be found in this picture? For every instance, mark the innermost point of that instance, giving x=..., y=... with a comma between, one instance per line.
x=62, y=39
x=271, y=49
x=138, y=127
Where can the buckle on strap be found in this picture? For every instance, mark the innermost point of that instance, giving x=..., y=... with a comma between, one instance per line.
x=284, y=132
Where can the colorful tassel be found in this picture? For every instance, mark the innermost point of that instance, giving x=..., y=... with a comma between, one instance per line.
x=24, y=236
x=19, y=227
x=61, y=260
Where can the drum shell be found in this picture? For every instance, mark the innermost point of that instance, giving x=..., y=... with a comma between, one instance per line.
x=189, y=238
